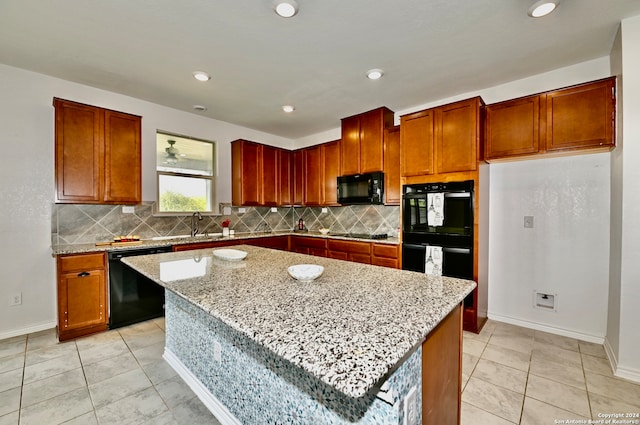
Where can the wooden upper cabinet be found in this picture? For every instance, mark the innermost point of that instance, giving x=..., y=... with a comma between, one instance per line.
x=313, y=176
x=297, y=162
x=574, y=118
x=321, y=165
x=270, y=176
x=416, y=143
x=285, y=177
x=122, y=155
x=246, y=170
x=330, y=172
x=458, y=136
x=350, y=146
x=512, y=128
x=262, y=175
x=362, y=146
x=581, y=116
x=392, y=166
x=441, y=140
x=98, y=155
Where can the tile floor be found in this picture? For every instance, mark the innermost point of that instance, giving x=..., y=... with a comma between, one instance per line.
x=511, y=375
x=515, y=375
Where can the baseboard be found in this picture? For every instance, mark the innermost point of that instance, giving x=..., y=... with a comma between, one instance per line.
x=222, y=414
x=545, y=328
x=28, y=330
x=619, y=371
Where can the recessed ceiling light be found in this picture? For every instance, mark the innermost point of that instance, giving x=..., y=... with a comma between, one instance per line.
x=201, y=76
x=199, y=108
x=286, y=8
x=542, y=8
x=288, y=108
x=374, y=74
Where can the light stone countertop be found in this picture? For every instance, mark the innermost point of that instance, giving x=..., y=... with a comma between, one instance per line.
x=350, y=328
x=85, y=248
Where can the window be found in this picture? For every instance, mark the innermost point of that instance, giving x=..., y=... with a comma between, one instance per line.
x=185, y=169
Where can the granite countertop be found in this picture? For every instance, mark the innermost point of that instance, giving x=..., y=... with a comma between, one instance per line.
x=350, y=328
x=61, y=249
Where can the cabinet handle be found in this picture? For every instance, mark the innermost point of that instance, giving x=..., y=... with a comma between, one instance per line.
x=84, y=274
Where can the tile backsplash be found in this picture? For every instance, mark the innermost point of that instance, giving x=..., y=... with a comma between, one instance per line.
x=80, y=223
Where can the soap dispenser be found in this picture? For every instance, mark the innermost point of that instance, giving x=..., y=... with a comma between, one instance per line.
x=301, y=224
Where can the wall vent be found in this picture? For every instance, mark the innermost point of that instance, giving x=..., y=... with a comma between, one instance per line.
x=544, y=301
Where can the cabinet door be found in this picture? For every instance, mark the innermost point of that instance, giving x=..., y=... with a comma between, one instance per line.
x=350, y=146
x=298, y=176
x=82, y=300
x=457, y=136
x=270, y=174
x=331, y=171
x=392, y=166
x=416, y=143
x=246, y=168
x=79, y=143
x=122, y=158
x=581, y=116
x=313, y=176
x=512, y=128
x=371, y=141
x=285, y=177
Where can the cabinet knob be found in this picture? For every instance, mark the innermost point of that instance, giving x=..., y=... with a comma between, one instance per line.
x=84, y=274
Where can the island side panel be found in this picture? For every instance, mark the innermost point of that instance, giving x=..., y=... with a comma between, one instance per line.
x=258, y=387
x=442, y=372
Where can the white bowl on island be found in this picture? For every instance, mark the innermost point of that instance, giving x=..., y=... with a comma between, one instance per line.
x=305, y=272
x=230, y=254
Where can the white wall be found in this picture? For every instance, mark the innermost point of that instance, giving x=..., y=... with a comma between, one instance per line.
x=27, y=186
x=565, y=253
x=623, y=337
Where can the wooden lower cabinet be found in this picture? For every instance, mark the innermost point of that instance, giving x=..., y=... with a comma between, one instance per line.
x=309, y=245
x=359, y=252
x=82, y=295
x=275, y=242
x=385, y=255
x=442, y=372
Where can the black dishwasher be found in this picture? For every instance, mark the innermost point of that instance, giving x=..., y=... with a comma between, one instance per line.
x=133, y=297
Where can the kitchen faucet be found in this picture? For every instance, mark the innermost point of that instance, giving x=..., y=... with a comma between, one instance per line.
x=195, y=224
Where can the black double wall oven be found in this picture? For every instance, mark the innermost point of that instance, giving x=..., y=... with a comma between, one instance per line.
x=437, y=227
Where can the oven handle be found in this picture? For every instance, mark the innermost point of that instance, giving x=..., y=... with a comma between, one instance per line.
x=457, y=250
x=445, y=249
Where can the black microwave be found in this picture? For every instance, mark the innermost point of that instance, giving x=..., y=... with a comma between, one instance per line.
x=361, y=189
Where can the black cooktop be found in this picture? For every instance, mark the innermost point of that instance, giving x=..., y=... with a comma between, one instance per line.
x=362, y=235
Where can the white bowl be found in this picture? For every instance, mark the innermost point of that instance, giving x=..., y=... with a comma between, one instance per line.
x=305, y=272
x=323, y=231
x=230, y=254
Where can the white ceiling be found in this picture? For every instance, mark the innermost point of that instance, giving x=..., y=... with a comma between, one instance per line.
x=429, y=50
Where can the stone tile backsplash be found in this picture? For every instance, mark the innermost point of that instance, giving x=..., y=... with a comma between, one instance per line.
x=80, y=223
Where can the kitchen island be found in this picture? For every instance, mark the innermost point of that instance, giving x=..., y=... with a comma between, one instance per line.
x=258, y=346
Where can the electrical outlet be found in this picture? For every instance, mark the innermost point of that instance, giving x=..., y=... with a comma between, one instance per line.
x=127, y=209
x=242, y=210
x=274, y=209
x=217, y=351
x=410, y=408
x=528, y=221
x=16, y=299
x=325, y=210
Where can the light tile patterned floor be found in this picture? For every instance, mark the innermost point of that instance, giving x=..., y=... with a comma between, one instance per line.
x=510, y=375
x=514, y=375
x=116, y=377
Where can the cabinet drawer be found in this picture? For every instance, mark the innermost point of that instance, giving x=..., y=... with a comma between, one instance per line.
x=69, y=263
x=350, y=247
x=387, y=251
x=298, y=241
